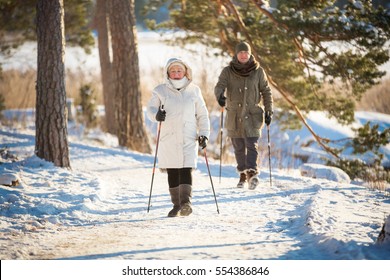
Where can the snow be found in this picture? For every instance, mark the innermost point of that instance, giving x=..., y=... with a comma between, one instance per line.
x=97, y=210
x=295, y=141
x=358, y=5
x=326, y=172
x=9, y=179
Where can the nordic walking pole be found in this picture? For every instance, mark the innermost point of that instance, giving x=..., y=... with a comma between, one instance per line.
x=155, y=158
x=211, y=180
x=269, y=158
x=220, y=153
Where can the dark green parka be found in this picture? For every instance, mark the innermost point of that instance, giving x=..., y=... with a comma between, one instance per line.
x=247, y=98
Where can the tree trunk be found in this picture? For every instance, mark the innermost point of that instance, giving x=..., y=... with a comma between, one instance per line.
x=51, y=139
x=128, y=106
x=101, y=22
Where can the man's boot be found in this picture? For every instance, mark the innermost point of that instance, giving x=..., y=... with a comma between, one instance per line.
x=175, y=198
x=185, y=199
x=241, y=184
x=253, y=180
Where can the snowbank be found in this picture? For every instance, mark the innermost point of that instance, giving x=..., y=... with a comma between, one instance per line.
x=384, y=236
x=324, y=172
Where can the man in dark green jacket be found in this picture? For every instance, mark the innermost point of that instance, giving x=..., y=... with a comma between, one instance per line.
x=246, y=85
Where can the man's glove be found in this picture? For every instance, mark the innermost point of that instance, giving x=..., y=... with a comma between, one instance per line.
x=222, y=100
x=161, y=114
x=268, y=117
x=202, y=141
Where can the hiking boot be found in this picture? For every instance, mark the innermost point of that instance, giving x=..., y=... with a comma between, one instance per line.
x=241, y=184
x=253, y=180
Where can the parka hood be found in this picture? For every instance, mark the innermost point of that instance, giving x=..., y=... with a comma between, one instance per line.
x=177, y=60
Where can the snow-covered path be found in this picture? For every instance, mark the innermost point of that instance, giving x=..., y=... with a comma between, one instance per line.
x=98, y=210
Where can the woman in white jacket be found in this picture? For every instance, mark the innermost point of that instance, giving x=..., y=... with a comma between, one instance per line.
x=179, y=104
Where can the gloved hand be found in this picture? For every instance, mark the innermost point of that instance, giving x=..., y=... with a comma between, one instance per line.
x=202, y=141
x=161, y=114
x=268, y=117
x=222, y=100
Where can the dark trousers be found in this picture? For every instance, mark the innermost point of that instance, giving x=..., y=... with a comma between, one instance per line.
x=178, y=176
x=245, y=151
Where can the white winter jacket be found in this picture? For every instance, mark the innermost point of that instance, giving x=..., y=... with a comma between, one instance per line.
x=186, y=119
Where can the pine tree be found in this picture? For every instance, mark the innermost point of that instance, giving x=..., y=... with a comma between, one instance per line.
x=51, y=133
x=101, y=23
x=126, y=77
x=320, y=55
x=17, y=23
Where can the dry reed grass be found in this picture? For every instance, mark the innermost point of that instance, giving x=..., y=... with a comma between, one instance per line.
x=18, y=88
x=377, y=99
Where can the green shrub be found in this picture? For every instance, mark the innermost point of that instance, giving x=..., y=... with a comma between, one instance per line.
x=89, y=112
x=368, y=139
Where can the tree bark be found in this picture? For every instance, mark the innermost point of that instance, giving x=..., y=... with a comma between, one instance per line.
x=101, y=24
x=128, y=106
x=51, y=139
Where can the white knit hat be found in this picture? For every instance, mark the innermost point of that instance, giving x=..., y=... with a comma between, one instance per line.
x=177, y=63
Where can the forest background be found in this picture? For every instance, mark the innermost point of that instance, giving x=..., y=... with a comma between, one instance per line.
x=359, y=85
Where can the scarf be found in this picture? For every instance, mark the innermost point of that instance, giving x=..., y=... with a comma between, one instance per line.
x=178, y=84
x=244, y=70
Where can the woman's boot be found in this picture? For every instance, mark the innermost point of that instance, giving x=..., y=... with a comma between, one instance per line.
x=175, y=198
x=185, y=199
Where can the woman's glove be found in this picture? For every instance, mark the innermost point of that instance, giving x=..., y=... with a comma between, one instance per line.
x=161, y=114
x=202, y=141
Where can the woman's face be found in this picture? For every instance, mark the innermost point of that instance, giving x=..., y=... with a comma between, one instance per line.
x=176, y=72
x=243, y=57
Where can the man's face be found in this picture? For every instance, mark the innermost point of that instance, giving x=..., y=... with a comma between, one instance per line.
x=243, y=57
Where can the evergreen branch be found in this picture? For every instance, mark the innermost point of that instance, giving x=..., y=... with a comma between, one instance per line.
x=223, y=31
x=240, y=22
x=319, y=139
x=301, y=52
x=283, y=92
x=259, y=4
x=303, y=58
